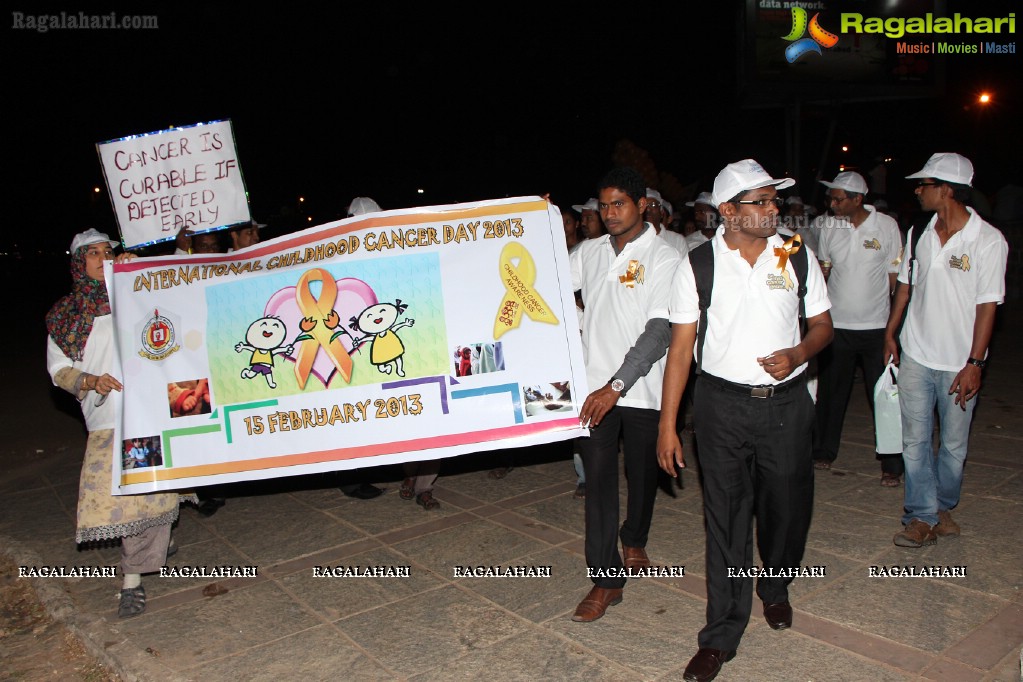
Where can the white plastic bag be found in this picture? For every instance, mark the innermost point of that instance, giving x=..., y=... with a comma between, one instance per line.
x=887, y=415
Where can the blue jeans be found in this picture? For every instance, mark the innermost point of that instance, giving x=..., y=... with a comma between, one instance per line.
x=931, y=485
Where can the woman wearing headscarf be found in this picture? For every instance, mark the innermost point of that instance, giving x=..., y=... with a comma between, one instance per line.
x=79, y=358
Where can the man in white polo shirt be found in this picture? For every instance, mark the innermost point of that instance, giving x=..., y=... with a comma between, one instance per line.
x=705, y=218
x=864, y=253
x=625, y=278
x=958, y=279
x=657, y=214
x=753, y=414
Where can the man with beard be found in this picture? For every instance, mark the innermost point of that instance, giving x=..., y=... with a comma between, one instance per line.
x=951, y=280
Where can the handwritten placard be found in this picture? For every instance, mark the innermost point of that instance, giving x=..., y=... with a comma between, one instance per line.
x=186, y=177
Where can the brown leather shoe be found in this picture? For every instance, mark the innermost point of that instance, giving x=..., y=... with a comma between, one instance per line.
x=947, y=527
x=916, y=534
x=635, y=558
x=596, y=603
x=778, y=615
x=706, y=664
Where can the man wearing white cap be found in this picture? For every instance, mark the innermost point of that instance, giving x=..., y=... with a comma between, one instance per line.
x=950, y=283
x=706, y=218
x=753, y=415
x=657, y=215
x=589, y=217
x=864, y=259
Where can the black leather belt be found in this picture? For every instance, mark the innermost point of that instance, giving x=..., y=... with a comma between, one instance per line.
x=764, y=391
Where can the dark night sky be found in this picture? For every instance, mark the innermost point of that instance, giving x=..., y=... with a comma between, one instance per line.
x=497, y=100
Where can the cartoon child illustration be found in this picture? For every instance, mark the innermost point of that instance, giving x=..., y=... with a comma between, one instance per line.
x=378, y=323
x=264, y=339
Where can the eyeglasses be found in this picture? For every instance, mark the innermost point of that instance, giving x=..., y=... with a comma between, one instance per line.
x=924, y=183
x=777, y=202
x=836, y=200
x=652, y=204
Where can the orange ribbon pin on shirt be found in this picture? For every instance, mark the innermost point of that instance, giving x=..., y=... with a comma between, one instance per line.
x=783, y=252
x=319, y=313
x=520, y=296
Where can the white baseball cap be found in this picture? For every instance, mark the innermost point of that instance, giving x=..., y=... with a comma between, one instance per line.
x=590, y=205
x=703, y=198
x=947, y=166
x=363, y=205
x=742, y=176
x=667, y=206
x=848, y=181
x=654, y=194
x=88, y=238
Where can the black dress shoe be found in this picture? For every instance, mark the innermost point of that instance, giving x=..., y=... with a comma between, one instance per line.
x=363, y=491
x=778, y=615
x=210, y=505
x=706, y=664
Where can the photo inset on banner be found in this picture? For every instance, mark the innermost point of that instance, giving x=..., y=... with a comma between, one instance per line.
x=187, y=398
x=547, y=398
x=142, y=452
x=478, y=358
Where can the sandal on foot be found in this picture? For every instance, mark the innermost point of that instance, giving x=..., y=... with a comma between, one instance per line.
x=133, y=602
x=890, y=480
x=499, y=473
x=408, y=489
x=426, y=501
x=821, y=464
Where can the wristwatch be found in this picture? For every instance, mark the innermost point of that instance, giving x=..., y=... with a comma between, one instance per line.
x=617, y=385
x=977, y=363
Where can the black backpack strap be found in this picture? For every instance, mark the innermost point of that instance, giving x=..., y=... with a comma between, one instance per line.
x=916, y=231
x=801, y=264
x=702, y=261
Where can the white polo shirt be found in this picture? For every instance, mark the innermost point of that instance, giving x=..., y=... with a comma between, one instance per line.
x=950, y=281
x=674, y=239
x=753, y=312
x=695, y=239
x=621, y=293
x=861, y=260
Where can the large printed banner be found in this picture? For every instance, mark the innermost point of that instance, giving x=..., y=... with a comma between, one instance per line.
x=390, y=337
x=185, y=177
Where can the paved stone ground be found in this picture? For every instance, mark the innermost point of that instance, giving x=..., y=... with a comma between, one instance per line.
x=287, y=624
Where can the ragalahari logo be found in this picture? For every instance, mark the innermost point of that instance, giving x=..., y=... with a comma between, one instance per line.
x=818, y=36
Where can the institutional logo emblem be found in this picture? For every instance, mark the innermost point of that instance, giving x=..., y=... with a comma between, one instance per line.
x=158, y=337
x=818, y=36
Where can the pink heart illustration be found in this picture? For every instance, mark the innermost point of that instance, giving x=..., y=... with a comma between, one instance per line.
x=353, y=296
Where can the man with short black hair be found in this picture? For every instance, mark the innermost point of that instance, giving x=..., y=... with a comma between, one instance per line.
x=949, y=286
x=864, y=250
x=625, y=278
x=753, y=414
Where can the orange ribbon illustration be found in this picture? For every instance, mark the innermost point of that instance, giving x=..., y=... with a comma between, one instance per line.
x=787, y=249
x=319, y=319
x=520, y=296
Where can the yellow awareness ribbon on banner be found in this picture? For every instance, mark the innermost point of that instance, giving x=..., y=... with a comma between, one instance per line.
x=783, y=252
x=320, y=313
x=520, y=296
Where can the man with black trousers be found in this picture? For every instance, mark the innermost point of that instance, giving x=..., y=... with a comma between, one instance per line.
x=625, y=277
x=753, y=415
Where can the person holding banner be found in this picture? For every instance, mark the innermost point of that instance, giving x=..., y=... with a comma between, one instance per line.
x=79, y=357
x=625, y=279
